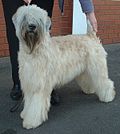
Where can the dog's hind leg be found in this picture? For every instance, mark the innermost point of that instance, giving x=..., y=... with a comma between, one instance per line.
x=85, y=83
x=37, y=111
x=98, y=72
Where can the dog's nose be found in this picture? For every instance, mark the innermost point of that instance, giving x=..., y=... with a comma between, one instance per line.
x=32, y=27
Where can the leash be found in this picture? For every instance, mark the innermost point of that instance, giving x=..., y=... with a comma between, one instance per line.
x=17, y=105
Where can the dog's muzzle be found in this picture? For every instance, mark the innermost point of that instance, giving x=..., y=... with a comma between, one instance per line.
x=31, y=28
x=31, y=35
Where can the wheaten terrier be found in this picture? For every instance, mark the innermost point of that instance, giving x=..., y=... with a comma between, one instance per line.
x=46, y=62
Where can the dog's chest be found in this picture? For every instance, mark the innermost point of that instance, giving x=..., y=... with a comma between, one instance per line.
x=29, y=68
x=26, y=71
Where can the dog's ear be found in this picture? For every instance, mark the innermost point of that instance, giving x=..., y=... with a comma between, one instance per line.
x=14, y=19
x=48, y=24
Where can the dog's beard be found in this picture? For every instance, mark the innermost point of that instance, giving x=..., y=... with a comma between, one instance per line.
x=31, y=40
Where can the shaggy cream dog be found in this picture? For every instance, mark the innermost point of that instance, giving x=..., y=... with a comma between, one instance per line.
x=46, y=62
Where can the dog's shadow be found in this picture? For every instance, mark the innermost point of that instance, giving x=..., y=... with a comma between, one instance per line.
x=71, y=97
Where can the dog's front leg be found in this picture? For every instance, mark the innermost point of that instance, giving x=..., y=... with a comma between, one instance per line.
x=27, y=101
x=38, y=108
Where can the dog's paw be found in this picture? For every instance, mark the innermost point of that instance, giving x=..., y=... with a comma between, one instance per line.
x=32, y=121
x=109, y=96
x=31, y=124
x=89, y=91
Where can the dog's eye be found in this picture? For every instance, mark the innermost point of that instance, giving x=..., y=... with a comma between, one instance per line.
x=24, y=18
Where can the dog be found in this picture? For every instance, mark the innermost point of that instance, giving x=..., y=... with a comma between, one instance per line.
x=46, y=62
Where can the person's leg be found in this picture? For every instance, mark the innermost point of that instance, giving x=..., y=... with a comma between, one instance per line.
x=46, y=5
x=10, y=8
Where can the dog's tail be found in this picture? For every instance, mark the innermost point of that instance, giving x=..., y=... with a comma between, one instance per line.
x=90, y=30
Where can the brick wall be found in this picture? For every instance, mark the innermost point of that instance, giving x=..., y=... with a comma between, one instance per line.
x=108, y=17
x=107, y=13
x=62, y=24
x=3, y=41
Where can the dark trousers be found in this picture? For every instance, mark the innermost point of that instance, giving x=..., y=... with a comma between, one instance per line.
x=10, y=7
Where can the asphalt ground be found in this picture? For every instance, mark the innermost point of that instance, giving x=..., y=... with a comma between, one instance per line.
x=77, y=113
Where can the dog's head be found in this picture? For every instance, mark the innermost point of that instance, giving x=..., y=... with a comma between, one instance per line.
x=31, y=24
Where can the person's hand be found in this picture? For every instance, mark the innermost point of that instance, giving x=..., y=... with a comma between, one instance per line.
x=91, y=17
x=27, y=1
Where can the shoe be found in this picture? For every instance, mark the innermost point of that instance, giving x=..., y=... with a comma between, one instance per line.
x=55, y=98
x=16, y=92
